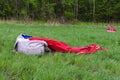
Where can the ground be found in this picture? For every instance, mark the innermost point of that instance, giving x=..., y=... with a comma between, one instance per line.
x=66, y=66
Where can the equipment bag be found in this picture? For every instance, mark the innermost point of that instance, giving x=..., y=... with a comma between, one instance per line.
x=24, y=45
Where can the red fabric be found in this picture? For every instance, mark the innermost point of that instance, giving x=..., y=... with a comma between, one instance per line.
x=63, y=47
x=111, y=29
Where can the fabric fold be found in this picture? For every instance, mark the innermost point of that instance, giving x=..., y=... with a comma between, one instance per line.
x=59, y=46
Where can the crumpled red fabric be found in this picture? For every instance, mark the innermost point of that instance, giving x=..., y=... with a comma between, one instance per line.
x=59, y=46
x=111, y=29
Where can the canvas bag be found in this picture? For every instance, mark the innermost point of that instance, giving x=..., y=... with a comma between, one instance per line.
x=24, y=45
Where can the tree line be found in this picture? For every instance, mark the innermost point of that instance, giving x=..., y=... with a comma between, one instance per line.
x=61, y=10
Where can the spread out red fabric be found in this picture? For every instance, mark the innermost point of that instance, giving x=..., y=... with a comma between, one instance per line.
x=63, y=47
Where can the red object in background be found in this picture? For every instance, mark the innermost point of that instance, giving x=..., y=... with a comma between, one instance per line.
x=111, y=29
x=63, y=47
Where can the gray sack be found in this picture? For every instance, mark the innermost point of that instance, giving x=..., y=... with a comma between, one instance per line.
x=26, y=46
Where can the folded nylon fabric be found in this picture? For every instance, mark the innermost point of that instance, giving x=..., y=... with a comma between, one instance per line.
x=59, y=46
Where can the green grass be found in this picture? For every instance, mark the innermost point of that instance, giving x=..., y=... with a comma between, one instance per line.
x=67, y=66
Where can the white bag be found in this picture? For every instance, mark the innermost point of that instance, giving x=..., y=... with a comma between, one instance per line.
x=26, y=46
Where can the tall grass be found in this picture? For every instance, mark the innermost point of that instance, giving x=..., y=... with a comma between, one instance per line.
x=60, y=66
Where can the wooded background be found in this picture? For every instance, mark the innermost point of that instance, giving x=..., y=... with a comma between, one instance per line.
x=61, y=10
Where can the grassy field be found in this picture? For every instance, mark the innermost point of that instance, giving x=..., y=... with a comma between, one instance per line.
x=66, y=66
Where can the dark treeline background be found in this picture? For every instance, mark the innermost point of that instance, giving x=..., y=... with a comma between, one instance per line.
x=61, y=10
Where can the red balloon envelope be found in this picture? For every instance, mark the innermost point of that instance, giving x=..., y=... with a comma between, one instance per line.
x=111, y=29
x=59, y=46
